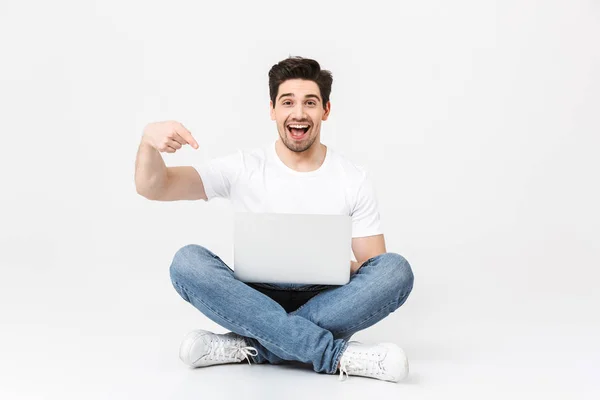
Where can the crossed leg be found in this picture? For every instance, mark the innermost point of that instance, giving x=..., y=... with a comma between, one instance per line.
x=316, y=333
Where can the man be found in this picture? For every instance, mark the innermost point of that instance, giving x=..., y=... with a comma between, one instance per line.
x=295, y=174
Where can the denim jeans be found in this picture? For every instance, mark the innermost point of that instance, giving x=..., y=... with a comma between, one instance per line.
x=310, y=324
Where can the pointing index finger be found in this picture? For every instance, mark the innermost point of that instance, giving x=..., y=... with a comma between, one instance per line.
x=187, y=135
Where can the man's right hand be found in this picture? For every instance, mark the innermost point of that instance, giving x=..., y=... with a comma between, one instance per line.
x=167, y=136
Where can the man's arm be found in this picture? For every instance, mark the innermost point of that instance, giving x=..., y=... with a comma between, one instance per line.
x=153, y=179
x=150, y=171
x=365, y=248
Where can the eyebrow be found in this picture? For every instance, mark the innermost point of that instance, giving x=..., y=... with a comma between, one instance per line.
x=306, y=97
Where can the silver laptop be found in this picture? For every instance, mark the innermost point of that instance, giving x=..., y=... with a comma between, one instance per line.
x=292, y=248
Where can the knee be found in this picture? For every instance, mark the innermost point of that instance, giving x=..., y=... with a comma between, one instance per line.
x=400, y=272
x=187, y=260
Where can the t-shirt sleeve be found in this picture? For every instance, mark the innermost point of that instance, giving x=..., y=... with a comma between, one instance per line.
x=220, y=174
x=365, y=214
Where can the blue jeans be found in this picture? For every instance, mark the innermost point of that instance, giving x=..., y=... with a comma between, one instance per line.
x=305, y=323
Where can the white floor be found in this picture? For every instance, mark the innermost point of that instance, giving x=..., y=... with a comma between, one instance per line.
x=113, y=331
x=477, y=120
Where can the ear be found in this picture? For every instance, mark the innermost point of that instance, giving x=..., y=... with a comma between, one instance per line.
x=327, y=110
x=272, y=110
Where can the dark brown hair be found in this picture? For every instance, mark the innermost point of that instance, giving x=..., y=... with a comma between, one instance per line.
x=300, y=68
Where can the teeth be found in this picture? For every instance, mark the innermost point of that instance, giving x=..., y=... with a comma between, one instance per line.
x=298, y=126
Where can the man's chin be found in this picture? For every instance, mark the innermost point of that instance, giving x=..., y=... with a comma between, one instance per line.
x=298, y=145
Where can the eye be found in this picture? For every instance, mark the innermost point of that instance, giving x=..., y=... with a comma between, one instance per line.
x=286, y=102
x=313, y=103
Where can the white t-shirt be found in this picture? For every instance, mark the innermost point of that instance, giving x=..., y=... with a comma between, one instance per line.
x=256, y=180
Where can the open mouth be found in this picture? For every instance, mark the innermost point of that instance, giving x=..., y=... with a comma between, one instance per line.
x=297, y=131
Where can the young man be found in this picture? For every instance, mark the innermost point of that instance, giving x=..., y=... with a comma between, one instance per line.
x=294, y=174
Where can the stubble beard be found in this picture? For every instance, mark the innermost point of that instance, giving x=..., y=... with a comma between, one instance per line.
x=295, y=146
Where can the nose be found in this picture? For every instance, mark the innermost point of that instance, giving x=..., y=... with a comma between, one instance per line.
x=298, y=111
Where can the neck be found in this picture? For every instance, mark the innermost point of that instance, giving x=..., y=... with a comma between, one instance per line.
x=309, y=160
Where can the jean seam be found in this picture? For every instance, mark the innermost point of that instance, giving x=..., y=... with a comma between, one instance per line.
x=339, y=356
x=367, y=318
x=364, y=320
x=228, y=320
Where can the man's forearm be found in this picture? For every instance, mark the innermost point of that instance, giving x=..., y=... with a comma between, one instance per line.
x=150, y=171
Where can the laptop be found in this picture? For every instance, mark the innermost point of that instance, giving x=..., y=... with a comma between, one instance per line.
x=311, y=249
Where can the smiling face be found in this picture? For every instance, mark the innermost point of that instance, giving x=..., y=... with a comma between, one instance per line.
x=298, y=111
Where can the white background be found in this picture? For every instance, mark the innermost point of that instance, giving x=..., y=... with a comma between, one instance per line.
x=477, y=119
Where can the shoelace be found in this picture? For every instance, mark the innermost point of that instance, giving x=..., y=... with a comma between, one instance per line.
x=237, y=350
x=368, y=366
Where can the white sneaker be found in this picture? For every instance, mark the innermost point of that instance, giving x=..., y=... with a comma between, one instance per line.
x=201, y=348
x=385, y=361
